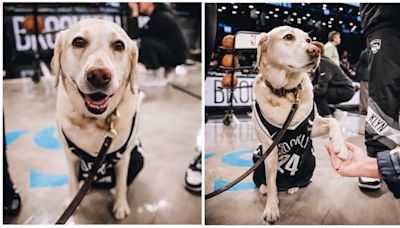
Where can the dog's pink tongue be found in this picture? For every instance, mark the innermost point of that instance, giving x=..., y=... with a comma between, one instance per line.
x=96, y=102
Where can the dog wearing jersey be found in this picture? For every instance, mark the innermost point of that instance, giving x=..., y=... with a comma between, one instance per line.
x=95, y=66
x=285, y=57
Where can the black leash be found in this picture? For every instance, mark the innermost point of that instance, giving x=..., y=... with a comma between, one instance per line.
x=279, y=136
x=92, y=174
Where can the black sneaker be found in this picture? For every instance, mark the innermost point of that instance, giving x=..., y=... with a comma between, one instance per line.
x=12, y=203
x=369, y=183
x=193, y=176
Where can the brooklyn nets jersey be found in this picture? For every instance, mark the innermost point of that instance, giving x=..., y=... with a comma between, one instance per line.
x=296, y=161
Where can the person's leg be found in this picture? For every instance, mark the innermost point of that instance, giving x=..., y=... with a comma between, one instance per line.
x=384, y=91
x=382, y=122
x=148, y=53
x=322, y=105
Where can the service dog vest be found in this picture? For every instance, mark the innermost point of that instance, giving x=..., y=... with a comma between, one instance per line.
x=296, y=161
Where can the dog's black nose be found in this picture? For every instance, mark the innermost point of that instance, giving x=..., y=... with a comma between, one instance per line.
x=313, y=51
x=98, y=77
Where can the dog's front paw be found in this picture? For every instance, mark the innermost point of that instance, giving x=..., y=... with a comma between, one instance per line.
x=271, y=213
x=263, y=189
x=341, y=151
x=293, y=190
x=121, y=210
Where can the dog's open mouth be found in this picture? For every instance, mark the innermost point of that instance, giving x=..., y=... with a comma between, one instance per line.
x=96, y=103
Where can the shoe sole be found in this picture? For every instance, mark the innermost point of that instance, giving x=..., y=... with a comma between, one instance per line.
x=366, y=186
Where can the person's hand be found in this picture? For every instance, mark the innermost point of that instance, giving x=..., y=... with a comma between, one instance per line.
x=134, y=8
x=352, y=167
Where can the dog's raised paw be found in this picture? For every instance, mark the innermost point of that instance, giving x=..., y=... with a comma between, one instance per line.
x=271, y=213
x=293, y=190
x=121, y=210
x=263, y=189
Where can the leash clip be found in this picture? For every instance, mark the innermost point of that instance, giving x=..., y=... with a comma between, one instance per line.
x=111, y=119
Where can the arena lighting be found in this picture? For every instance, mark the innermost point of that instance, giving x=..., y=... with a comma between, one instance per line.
x=220, y=10
x=235, y=6
x=351, y=24
x=329, y=22
x=251, y=6
x=308, y=15
x=275, y=15
x=294, y=14
x=304, y=18
x=340, y=8
x=270, y=12
x=234, y=12
x=257, y=12
x=323, y=23
x=276, y=9
x=329, y=26
x=324, y=5
x=313, y=21
x=267, y=17
x=340, y=22
x=223, y=7
x=298, y=22
x=285, y=12
x=332, y=19
x=291, y=19
x=314, y=38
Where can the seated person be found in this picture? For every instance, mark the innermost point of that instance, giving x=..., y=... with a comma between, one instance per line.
x=161, y=40
x=331, y=84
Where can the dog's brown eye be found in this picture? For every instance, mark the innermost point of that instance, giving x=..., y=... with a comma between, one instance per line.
x=79, y=42
x=288, y=37
x=308, y=40
x=118, y=45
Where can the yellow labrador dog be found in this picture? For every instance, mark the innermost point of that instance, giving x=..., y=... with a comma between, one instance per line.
x=95, y=66
x=285, y=57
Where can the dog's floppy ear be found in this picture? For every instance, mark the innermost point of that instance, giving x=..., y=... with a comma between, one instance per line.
x=134, y=56
x=55, y=61
x=261, y=47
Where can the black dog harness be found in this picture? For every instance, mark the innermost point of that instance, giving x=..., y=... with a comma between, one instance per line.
x=296, y=161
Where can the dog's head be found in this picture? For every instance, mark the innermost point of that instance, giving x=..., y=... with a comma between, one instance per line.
x=288, y=48
x=96, y=60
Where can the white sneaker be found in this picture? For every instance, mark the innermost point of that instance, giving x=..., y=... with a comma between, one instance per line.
x=193, y=176
x=369, y=183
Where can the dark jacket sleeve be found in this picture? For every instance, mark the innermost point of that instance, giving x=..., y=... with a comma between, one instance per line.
x=389, y=167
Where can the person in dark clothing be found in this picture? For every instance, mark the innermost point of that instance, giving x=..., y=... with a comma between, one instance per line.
x=382, y=132
x=331, y=84
x=11, y=197
x=162, y=43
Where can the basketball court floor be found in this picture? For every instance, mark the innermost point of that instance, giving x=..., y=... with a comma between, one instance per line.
x=329, y=199
x=169, y=124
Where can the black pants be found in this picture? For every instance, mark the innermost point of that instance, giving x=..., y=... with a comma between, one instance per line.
x=155, y=54
x=333, y=95
x=8, y=190
x=384, y=90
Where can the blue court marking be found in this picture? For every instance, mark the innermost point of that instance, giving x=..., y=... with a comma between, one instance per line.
x=208, y=156
x=45, y=138
x=14, y=135
x=41, y=180
x=233, y=159
x=218, y=183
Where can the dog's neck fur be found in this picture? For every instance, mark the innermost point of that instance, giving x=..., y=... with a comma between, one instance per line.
x=281, y=78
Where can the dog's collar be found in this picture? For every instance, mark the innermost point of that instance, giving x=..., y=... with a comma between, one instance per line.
x=282, y=92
